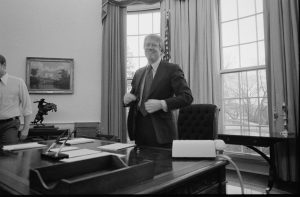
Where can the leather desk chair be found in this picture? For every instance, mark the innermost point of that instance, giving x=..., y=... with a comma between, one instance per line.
x=198, y=121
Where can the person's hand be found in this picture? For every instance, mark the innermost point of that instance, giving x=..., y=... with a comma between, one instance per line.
x=128, y=97
x=153, y=105
x=24, y=133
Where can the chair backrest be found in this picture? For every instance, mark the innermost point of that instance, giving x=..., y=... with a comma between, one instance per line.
x=198, y=121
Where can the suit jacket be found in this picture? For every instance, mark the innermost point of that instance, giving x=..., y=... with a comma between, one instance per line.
x=168, y=84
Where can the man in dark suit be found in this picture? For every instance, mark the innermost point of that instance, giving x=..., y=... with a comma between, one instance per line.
x=157, y=89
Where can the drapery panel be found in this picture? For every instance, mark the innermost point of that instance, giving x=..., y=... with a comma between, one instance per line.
x=194, y=41
x=281, y=21
x=193, y=37
x=113, y=117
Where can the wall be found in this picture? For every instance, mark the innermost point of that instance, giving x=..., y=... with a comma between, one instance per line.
x=57, y=29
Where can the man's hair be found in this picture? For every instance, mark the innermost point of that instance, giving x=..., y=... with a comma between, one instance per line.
x=158, y=39
x=2, y=59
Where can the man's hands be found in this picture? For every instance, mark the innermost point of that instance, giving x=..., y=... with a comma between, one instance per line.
x=24, y=133
x=128, y=97
x=153, y=105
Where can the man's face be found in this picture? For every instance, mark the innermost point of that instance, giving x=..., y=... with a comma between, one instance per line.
x=152, y=50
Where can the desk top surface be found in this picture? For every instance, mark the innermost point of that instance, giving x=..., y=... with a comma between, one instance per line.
x=257, y=135
x=15, y=166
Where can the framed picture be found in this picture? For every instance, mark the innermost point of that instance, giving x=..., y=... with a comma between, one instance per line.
x=49, y=75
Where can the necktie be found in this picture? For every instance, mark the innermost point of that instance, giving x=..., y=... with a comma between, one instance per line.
x=146, y=91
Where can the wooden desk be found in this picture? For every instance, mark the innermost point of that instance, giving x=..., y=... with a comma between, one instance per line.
x=261, y=141
x=171, y=175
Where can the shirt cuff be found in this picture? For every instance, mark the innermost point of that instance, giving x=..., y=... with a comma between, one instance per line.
x=164, y=105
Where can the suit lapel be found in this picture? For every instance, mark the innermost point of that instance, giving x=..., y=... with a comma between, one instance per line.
x=140, y=81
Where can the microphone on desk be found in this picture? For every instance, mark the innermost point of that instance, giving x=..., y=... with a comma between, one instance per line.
x=57, y=155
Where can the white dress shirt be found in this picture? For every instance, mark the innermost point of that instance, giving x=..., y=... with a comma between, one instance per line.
x=14, y=97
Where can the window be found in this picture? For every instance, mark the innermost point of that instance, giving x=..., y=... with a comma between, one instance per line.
x=139, y=24
x=243, y=70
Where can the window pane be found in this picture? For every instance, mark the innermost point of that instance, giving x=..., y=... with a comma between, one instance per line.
x=228, y=10
x=234, y=130
x=261, y=53
x=262, y=83
x=246, y=7
x=132, y=46
x=244, y=112
x=247, y=29
x=141, y=46
x=254, y=112
x=252, y=84
x=243, y=86
x=230, y=57
x=231, y=112
x=132, y=27
x=231, y=85
x=156, y=22
x=259, y=6
x=229, y=33
x=264, y=120
x=249, y=55
x=260, y=27
x=132, y=66
x=145, y=23
x=143, y=61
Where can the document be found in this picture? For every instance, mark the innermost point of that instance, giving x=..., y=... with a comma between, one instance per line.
x=68, y=148
x=99, y=154
x=80, y=152
x=78, y=141
x=115, y=146
x=23, y=146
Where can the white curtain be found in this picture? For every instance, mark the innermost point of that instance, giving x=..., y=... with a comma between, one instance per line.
x=281, y=20
x=113, y=117
x=194, y=45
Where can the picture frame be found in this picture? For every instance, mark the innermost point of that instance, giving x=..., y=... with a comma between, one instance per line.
x=50, y=75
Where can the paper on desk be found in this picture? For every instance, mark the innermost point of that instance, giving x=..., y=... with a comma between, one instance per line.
x=23, y=146
x=81, y=152
x=78, y=141
x=99, y=154
x=68, y=148
x=115, y=146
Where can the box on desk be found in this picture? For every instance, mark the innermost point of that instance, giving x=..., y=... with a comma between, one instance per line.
x=46, y=132
x=92, y=176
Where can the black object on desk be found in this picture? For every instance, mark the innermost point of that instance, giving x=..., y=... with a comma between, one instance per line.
x=45, y=133
x=100, y=175
x=170, y=176
x=261, y=141
x=56, y=156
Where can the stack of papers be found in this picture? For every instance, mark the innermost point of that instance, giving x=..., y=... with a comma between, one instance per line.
x=23, y=146
x=80, y=152
x=115, y=146
x=78, y=141
x=99, y=154
x=64, y=149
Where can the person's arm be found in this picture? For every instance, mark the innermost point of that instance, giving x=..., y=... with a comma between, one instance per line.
x=25, y=130
x=183, y=95
x=25, y=109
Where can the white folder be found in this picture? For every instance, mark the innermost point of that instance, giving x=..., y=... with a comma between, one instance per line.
x=193, y=149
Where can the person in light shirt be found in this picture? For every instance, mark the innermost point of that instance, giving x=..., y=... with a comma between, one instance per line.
x=157, y=89
x=14, y=102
